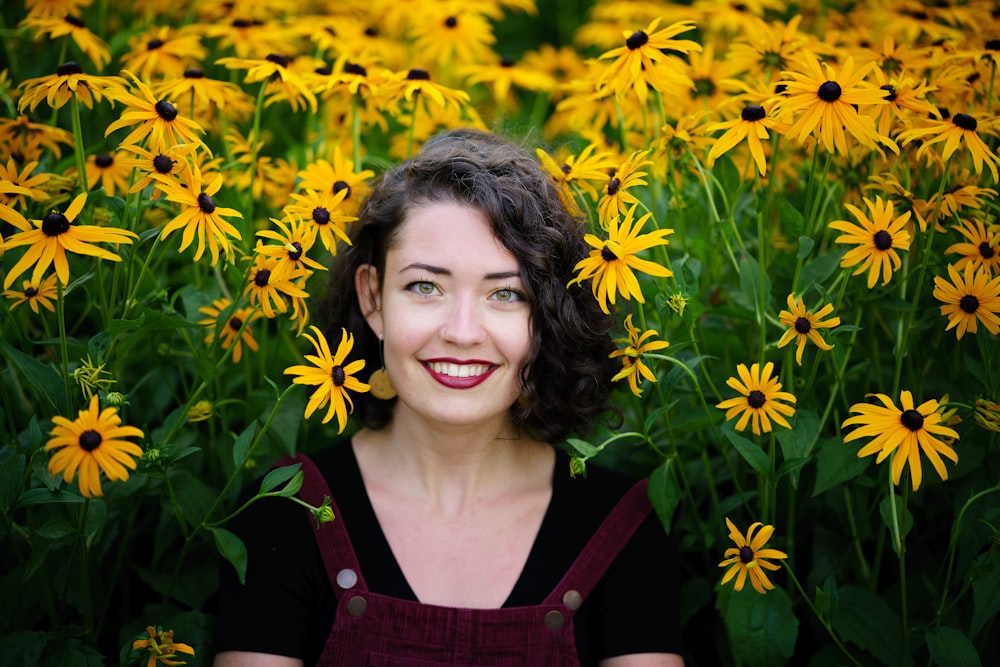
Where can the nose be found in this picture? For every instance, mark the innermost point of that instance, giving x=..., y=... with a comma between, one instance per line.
x=463, y=323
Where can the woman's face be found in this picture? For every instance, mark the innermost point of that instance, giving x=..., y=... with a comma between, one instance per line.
x=452, y=313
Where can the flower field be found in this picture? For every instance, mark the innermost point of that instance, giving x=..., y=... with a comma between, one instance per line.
x=792, y=211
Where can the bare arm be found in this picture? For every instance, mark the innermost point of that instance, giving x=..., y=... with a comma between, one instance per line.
x=246, y=659
x=644, y=660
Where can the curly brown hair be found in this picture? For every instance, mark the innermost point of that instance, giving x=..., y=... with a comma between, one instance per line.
x=566, y=381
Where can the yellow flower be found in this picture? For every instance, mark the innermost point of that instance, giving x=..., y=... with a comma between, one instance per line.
x=162, y=52
x=237, y=323
x=802, y=325
x=322, y=211
x=982, y=247
x=54, y=27
x=631, y=355
x=161, y=647
x=761, y=399
x=903, y=433
x=642, y=63
x=282, y=82
x=969, y=298
x=332, y=379
x=202, y=410
x=56, y=234
x=752, y=125
x=876, y=240
x=34, y=293
x=68, y=81
x=616, y=196
x=334, y=177
x=612, y=262
x=157, y=120
x=91, y=444
x=959, y=130
x=748, y=557
x=267, y=286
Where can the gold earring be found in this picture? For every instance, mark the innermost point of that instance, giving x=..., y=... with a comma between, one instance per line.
x=379, y=381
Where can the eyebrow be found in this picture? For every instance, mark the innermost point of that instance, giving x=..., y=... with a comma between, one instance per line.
x=441, y=271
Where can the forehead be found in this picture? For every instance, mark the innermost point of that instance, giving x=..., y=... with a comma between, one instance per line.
x=449, y=233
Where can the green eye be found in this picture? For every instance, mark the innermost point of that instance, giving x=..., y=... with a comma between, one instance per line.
x=425, y=288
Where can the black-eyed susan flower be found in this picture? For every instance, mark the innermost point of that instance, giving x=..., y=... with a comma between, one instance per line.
x=107, y=170
x=68, y=81
x=93, y=443
x=612, y=262
x=323, y=211
x=267, y=286
x=158, y=122
x=876, y=240
x=760, y=401
x=55, y=27
x=161, y=647
x=334, y=176
x=767, y=48
x=204, y=92
x=906, y=100
x=643, y=62
x=54, y=235
x=969, y=298
x=57, y=8
x=162, y=52
x=331, y=378
x=636, y=344
x=827, y=101
x=449, y=33
x=959, y=130
x=170, y=162
x=295, y=239
x=964, y=194
x=748, y=559
x=803, y=324
x=34, y=294
x=23, y=136
x=11, y=215
x=752, y=125
x=903, y=433
x=581, y=171
x=423, y=95
x=281, y=82
x=232, y=326
x=616, y=196
x=25, y=183
x=981, y=247
x=504, y=74
x=200, y=215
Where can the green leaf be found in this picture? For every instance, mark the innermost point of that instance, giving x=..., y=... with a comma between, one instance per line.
x=41, y=496
x=21, y=648
x=904, y=520
x=293, y=485
x=805, y=247
x=950, y=648
x=750, y=283
x=986, y=591
x=242, y=445
x=278, y=476
x=795, y=443
x=762, y=628
x=70, y=653
x=232, y=549
x=287, y=421
x=43, y=378
x=818, y=270
x=791, y=218
x=867, y=621
x=750, y=451
x=836, y=463
x=664, y=493
x=12, y=466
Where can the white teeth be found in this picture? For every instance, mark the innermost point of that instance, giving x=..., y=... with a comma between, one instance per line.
x=458, y=370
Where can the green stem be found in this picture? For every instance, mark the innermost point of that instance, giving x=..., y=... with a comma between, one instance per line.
x=819, y=617
x=63, y=343
x=81, y=156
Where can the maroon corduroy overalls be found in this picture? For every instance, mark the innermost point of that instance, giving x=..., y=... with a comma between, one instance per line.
x=381, y=631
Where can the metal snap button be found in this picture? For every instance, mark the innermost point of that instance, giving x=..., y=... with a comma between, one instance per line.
x=357, y=605
x=572, y=600
x=346, y=578
x=554, y=620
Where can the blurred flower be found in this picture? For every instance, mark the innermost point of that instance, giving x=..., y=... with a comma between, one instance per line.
x=505, y=74
x=970, y=298
x=747, y=558
x=202, y=410
x=159, y=121
x=677, y=302
x=876, y=240
x=611, y=263
x=616, y=197
x=56, y=234
x=415, y=86
x=761, y=399
x=281, y=82
x=958, y=197
x=204, y=92
x=752, y=125
x=199, y=214
x=91, y=378
x=802, y=325
x=236, y=323
x=22, y=179
x=642, y=63
x=828, y=101
x=982, y=247
x=987, y=414
x=332, y=379
x=333, y=177
x=577, y=171
x=107, y=171
x=54, y=27
x=162, y=52
x=635, y=345
x=161, y=647
x=906, y=100
x=267, y=287
x=767, y=48
x=68, y=81
x=448, y=33
x=55, y=8
x=959, y=130
x=90, y=444
x=34, y=293
x=321, y=210
x=905, y=432
x=22, y=136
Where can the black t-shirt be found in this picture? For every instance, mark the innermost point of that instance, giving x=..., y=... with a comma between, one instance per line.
x=287, y=606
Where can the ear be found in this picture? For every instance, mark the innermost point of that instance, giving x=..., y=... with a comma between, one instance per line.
x=368, y=289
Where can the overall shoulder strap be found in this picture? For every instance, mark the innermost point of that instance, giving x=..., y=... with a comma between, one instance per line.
x=339, y=559
x=603, y=547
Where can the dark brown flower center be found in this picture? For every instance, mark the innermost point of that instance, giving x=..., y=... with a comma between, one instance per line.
x=75, y=21
x=969, y=304
x=352, y=68
x=193, y=73
x=341, y=185
x=90, y=440
x=54, y=224
x=830, y=91
x=803, y=325
x=235, y=323
x=912, y=420
x=163, y=164
x=613, y=185
x=295, y=255
x=746, y=554
x=607, y=255
x=206, y=203
x=506, y=62
x=780, y=88
x=67, y=68
x=986, y=251
x=418, y=75
x=261, y=277
x=882, y=240
x=30, y=292
x=278, y=59
x=154, y=44
x=636, y=39
x=890, y=92
x=965, y=121
x=756, y=399
x=451, y=22
x=321, y=216
x=752, y=112
x=338, y=375
x=166, y=110
x=992, y=45
x=323, y=70
x=104, y=160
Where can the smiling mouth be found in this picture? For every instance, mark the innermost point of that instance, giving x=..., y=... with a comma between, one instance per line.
x=459, y=370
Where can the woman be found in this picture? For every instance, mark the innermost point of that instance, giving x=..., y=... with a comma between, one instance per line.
x=460, y=537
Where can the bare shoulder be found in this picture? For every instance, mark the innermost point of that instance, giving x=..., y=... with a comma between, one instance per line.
x=246, y=659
